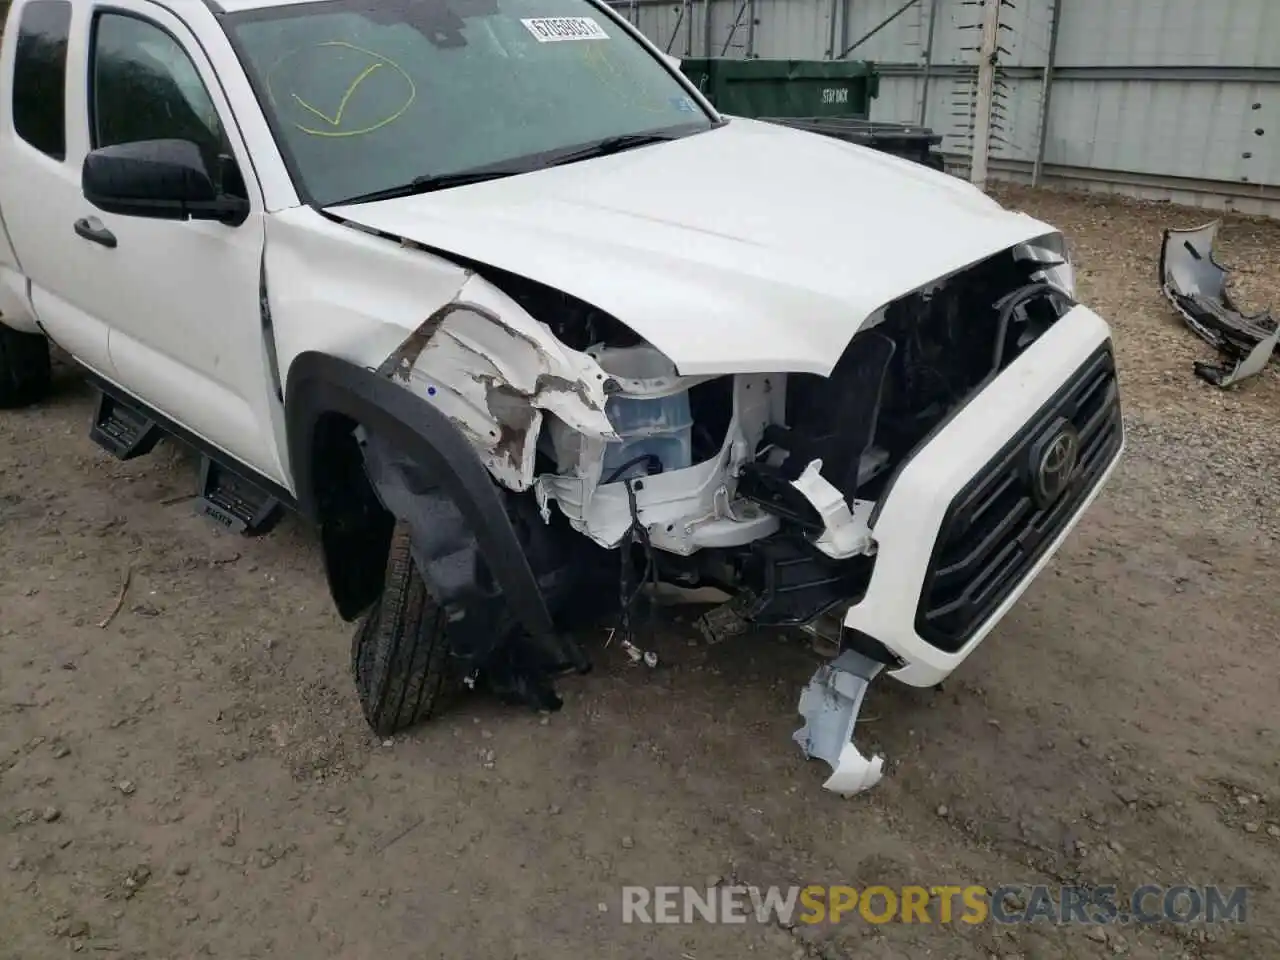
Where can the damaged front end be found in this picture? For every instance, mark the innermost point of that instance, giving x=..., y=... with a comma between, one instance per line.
x=765, y=486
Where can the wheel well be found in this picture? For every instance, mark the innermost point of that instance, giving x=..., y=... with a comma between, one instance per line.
x=325, y=398
x=355, y=528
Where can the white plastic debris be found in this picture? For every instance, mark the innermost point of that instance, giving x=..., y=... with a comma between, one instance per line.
x=830, y=704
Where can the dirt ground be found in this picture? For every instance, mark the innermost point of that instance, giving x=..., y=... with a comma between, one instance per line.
x=195, y=779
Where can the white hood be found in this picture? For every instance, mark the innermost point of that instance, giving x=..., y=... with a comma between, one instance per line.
x=748, y=248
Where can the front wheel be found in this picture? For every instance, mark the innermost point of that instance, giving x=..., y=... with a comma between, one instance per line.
x=400, y=653
x=25, y=371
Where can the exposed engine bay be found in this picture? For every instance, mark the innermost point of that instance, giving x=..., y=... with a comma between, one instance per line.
x=618, y=472
x=706, y=467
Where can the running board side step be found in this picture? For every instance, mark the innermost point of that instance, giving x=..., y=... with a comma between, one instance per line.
x=236, y=503
x=122, y=430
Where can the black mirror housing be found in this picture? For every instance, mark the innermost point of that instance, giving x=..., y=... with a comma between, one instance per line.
x=160, y=179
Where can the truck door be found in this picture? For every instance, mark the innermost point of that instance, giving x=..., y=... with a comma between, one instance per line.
x=40, y=190
x=180, y=298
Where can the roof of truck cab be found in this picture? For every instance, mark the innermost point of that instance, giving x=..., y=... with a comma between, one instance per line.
x=236, y=6
x=228, y=6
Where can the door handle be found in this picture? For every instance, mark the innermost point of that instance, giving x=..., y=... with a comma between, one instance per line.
x=91, y=228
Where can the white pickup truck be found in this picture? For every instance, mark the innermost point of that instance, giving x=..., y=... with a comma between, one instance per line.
x=490, y=294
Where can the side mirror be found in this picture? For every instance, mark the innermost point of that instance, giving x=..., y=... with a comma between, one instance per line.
x=161, y=179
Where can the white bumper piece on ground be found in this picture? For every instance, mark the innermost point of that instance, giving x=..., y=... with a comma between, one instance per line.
x=829, y=705
x=909, y=524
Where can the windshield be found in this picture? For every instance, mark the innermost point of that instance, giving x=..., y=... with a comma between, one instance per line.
x=369, y=95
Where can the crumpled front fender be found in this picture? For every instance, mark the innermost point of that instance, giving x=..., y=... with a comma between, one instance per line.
x=494, y=372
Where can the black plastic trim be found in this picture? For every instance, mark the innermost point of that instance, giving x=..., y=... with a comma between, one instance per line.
x=1053, y=517
x=203, y=446
x=938, y=427
x=867, y=645
x=268, y=328
x=318, y=384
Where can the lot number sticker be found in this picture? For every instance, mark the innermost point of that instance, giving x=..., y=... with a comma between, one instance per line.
x=551, y=29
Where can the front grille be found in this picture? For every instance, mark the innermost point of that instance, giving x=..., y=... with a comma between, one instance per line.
x=994, y=531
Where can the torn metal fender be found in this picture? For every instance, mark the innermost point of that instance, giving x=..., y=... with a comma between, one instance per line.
x=830, y=704
x=493, y=371
x=1196, y=285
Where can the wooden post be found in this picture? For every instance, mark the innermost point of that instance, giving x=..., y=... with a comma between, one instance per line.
x=1046, y=93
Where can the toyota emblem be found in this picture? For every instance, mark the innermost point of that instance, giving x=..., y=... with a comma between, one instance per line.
x=1053, y=464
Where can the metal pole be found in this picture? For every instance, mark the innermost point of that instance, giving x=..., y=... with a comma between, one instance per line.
x=706, y=30
x=1046, y=93
x=877, y=28
x=986, y=92
x=831, y=32
x=688, y=30
x=751, y=30
x=928, y=63
x=844, y=24
x=734, y=29
x=676, y=29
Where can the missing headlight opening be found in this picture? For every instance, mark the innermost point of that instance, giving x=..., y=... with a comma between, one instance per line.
x=762, y=486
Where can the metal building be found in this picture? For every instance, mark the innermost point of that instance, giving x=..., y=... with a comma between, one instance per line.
x=1165, y=99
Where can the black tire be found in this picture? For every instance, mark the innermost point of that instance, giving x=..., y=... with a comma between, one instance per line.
x=400, y=653
x=25, y=371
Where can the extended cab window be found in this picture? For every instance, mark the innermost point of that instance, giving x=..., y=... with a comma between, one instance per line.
x=145, y=87
x=367, y=96
x=40, y=76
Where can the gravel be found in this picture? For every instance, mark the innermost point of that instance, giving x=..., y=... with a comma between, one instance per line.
x=1191, y=446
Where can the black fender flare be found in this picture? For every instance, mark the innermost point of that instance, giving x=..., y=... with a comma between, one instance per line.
x=318, y=384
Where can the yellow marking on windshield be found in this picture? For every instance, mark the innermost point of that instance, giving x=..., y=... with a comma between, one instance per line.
x=335, y=121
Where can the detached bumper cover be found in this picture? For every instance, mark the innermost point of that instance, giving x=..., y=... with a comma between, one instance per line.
x=961, y=532
x=1196, y=285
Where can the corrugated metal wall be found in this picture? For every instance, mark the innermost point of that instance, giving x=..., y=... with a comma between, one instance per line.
x=1176, y=99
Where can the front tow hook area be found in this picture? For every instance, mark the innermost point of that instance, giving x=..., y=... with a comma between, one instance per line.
x=830, y=704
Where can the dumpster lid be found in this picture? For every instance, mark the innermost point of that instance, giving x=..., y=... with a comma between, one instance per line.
x=731, y=71
x=858, y=129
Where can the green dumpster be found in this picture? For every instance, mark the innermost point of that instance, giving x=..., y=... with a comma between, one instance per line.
x=785, y=88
